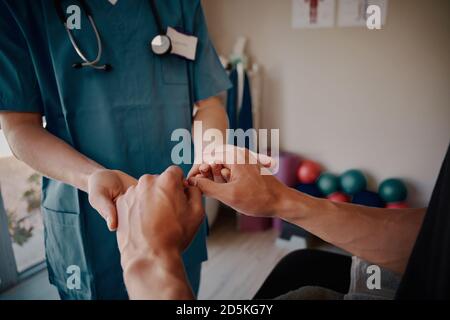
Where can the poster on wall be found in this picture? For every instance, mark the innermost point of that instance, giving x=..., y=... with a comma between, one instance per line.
x=353, y=13
x=307, y=14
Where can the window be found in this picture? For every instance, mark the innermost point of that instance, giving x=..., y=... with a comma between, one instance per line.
x=20, y=191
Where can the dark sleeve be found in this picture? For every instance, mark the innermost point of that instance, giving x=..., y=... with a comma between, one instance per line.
x=427, y=273
x=19, y=88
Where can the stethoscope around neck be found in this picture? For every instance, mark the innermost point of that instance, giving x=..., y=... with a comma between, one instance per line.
x=160, y=44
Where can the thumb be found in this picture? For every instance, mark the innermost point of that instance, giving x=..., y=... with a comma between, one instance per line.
x=207, y=186
x=107, y=209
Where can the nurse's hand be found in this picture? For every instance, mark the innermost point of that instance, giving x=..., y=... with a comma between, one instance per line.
x=104, y=187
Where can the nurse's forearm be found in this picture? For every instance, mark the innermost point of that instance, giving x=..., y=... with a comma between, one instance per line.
x=213, y=116
x=44, y=152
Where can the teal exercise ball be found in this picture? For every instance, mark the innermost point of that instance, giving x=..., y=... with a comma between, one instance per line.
x=393, y=190
x=328, y=183
x=353, y=181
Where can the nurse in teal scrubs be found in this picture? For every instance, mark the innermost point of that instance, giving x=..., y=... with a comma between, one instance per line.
x=103, y=129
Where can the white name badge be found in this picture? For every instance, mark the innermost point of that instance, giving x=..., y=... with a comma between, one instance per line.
x=182, y=44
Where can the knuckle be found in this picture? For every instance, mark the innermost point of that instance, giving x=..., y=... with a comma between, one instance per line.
x=172, y=176
x=146, y=179
x=175, y=170
x=128, y=193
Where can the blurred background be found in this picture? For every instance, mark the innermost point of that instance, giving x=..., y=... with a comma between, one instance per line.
x=343, y=96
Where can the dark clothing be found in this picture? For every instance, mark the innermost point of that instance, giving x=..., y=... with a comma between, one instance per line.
x=427, y=274
x=307, y=268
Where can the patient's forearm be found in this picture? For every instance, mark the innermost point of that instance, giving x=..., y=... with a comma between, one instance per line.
x=156, y=277
x=44, y=152
x=382, y=236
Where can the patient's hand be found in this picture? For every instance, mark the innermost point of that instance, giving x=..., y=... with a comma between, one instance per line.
x=213, y=167
x=213, y=171
x=159, y=214
x=247, y=190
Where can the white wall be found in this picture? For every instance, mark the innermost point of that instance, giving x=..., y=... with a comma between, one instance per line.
x=350, y=97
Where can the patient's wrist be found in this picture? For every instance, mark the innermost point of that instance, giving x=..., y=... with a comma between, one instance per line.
x=291, y=204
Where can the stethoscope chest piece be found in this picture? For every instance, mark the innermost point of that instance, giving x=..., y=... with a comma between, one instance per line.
x=161, y=45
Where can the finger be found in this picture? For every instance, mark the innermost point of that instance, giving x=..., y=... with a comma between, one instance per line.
x=231, y=155
x=264, y=160
x=205, y=170
x=196, y=210
x=226, y=174
x=107, y=209
x=172, y=178
x=146, y=180
x=216, y=171
x=194, y=196
x=194, y=171
x=121, y=211
x=176, y=172
x=207, y=186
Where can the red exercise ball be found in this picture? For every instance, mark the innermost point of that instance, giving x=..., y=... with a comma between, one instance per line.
x=338, y=197
x=308, y=171
x=397, y=205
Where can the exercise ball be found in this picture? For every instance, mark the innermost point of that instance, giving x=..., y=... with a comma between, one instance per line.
x=393, y=190
x=308, y=171
x=328, y=183
x=353, y=181
x=397, y=205
x=287, y=168
x=310, y=189
x=368, y=198
x=338, y=197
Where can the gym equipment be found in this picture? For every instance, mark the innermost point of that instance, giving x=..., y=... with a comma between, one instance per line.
x=308, y=171
x=328, y=183
x=393, y=190
x=368, y=198
x=338, y=197
x=288, y=164
x=353, y=181
x=397, y=205
x=310, y=189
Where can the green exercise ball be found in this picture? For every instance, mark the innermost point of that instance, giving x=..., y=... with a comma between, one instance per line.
x=393, y=190
x=353, y=181
x=328, y=183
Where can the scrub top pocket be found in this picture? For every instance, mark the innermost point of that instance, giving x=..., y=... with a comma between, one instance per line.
x=65, y=253
x=174, y=70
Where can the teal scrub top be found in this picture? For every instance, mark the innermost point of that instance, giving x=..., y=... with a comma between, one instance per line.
x=122, y=119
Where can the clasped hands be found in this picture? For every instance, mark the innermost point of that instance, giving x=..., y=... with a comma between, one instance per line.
x=163, y=212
